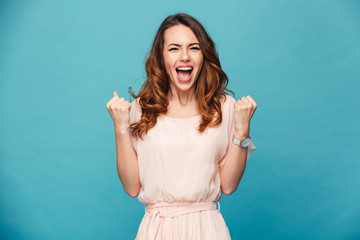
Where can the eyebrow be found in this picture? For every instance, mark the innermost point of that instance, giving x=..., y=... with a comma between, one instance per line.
x=178, y=45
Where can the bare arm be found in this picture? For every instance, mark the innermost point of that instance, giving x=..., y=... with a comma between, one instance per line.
x=126, y=158
x=127, y=163
x=233, y=169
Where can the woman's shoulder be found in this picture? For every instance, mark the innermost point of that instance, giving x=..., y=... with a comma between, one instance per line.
x=135, y=103
x=135, y=106
x=227, y=100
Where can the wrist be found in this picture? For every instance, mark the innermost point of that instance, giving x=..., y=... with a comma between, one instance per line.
x=241, y=135
x=121, y=130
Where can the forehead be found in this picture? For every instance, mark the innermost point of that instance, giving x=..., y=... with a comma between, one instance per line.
x=179, y=34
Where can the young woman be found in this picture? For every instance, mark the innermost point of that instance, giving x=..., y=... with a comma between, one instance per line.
x=183, y=140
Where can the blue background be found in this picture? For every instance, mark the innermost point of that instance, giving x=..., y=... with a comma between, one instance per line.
x=60, y=62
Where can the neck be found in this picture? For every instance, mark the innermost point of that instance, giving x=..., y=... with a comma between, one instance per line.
x=183, y=98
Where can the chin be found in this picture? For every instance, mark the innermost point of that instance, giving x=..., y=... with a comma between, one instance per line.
x=185, y=86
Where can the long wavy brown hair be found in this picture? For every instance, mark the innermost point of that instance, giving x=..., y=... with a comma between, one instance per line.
x=210, y=86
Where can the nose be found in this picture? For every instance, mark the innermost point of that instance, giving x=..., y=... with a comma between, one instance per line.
x=184, y=56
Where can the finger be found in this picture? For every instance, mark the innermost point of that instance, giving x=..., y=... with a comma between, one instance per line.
x=252, y=101
x=112, y=100
x=120, y=103
x=246, y=101
x=241, y=102
x=120, y=100
x=238, y=105
x=249, y=97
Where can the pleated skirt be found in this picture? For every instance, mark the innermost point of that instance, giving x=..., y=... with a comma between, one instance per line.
x=183, y=221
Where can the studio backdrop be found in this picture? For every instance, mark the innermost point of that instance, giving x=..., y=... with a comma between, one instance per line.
x=61, y=61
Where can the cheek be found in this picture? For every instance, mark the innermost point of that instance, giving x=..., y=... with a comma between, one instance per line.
x=168, y=69
x=166, y=64
x=169, y=65
x=201, y=62
x=199, y=59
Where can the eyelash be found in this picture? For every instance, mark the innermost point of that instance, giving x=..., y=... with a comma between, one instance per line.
x=195, y=48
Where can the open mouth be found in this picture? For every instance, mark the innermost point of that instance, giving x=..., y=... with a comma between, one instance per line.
x=184, y=73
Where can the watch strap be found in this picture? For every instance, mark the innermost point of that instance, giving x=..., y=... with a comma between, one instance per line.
x=238, y=141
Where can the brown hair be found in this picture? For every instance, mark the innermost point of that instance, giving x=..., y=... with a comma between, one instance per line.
x=209, y=87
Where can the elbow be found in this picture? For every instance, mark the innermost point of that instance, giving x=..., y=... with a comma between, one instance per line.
x=228, y=191
x=132, y=193
x=130, y=188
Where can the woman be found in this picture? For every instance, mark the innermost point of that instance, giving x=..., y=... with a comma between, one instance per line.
x=183, y=140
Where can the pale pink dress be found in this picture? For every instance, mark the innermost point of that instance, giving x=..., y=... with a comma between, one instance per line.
x=179, y=174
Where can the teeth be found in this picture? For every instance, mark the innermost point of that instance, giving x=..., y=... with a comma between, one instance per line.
x=184, y=68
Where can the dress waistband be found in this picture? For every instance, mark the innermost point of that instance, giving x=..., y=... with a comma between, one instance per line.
x=154, y=212
x=179, y=208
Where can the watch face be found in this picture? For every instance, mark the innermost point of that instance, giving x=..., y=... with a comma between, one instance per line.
x=245, y=142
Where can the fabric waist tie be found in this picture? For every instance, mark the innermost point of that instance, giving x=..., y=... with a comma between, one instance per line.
x=154, y=212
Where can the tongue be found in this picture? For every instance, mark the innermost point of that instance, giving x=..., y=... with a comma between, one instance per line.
x=184, y=74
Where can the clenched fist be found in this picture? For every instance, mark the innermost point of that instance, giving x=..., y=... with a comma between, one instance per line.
x=244, y=110
x=119, y=110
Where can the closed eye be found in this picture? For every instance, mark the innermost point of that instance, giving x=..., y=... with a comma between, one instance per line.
x=195, y=48
x=172, y=49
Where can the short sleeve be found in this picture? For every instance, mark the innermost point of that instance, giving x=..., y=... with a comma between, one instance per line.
x=229, y=118
x=135, y=115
